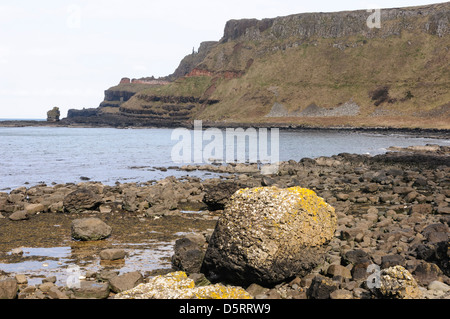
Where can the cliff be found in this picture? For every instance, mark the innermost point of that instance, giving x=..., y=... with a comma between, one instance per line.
x=310, y=69
x=192, y=60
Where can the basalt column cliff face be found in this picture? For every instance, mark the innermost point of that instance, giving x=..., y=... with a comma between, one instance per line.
x=312, y=69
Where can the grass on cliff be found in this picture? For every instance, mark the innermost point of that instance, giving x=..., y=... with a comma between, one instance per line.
x=330, y=72
x=131, y=87
x=327, y=72
x=190, y=87
x=184, y=87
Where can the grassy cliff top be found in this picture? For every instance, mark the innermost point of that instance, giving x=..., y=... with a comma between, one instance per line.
x=397, y=75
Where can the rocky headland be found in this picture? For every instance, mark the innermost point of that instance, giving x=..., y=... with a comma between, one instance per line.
x=341, y=227
x=306, y=69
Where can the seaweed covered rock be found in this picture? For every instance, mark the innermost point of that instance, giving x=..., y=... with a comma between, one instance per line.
x=178, y=286
x=267, y=235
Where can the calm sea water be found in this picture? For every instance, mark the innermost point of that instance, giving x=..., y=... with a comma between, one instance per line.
x=33, y=155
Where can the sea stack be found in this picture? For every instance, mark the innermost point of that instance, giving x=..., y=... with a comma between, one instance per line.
x=53, y=115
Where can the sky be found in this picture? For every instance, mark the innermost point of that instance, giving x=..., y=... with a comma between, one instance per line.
x=66, y=53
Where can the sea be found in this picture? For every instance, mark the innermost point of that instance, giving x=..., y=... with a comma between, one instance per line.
x=56, y=155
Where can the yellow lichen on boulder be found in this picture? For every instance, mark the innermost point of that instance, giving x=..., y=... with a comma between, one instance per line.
x=220, y=291
x=178, y=286
x=268, y=234
x=290, y=206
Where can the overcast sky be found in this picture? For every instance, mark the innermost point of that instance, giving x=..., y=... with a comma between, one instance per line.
x=66, y=53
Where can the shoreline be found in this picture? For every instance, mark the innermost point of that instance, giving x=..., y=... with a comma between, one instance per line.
x=419, y=132
x=386, y=206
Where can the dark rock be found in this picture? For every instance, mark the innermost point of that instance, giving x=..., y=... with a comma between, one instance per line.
x=379, y=177
x=106, y=275
x=426, y=272
x=56, y=293
x=360, y=261
x=357, y=256
x=26, y=292
x=370, y=188
x=81, y=200
x=445, y=220
x=306, y=161
x=338, y=270
x=217, y=195
x=359, y=271
x=392, y=260
x=126, y=281
x=395, y=172
x=426, y=252
x=437, y=253
x=19, y=215
x=411, y=196
x=420, y=182
x=402, y=190
x=386, y=197
x=444, y=210
x=188, y=256
x=90, y=229
x=436, y=233
x=112, y=254
x=321, y=288
x=267, y=181
x=437, y=237
x=91, y=290
x=51, y=279
x=423, y=209
x=342, y=196
x=45, y=287
x=74, y=114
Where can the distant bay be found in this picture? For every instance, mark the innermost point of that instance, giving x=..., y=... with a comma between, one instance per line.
x=34, y=155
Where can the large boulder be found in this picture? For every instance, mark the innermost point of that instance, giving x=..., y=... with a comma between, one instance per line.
x=90, y=229
x=81, y=200
x=267, y=235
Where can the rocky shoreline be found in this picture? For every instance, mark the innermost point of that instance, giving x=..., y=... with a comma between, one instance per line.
x=392, y=213
x=137, y=124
